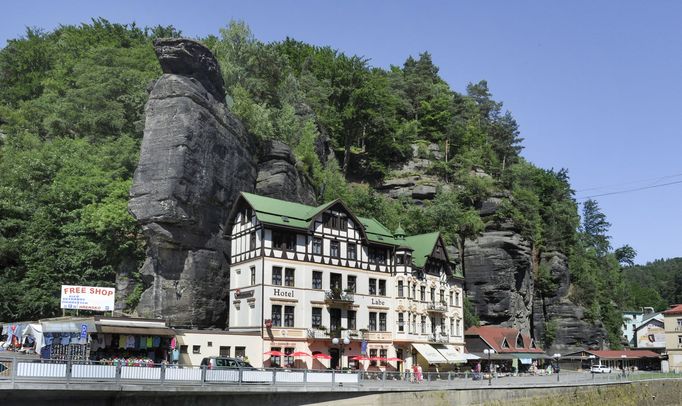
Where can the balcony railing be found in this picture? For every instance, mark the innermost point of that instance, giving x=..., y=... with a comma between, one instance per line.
x=439, y=338
x=437, y=307
x=338, y=296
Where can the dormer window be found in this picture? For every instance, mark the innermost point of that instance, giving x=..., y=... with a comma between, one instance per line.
x=519, y=341
x=335, y=221
x=283, y=240
x=505, y=344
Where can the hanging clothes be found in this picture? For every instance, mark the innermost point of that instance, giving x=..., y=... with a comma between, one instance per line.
x=149, y=342
x=143, y=343
x=157, y=342
x=173, y=343
x=130, y=342
x=122, y=341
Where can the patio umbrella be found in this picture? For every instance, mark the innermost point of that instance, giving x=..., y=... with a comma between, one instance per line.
x=322, y=356
x=360, y=358
x=274, y=353
x=300, y=354
x=377, y=359
x=393, y=359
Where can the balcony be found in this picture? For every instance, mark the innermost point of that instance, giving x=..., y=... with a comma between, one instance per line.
x=376, y=335
x=441, y=338
x=437, y=307
x=338, y=296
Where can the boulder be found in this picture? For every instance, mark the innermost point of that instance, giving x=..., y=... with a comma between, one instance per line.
x=424, y=192
x=195, y=159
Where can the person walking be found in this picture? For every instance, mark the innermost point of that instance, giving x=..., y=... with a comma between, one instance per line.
x=420, y=374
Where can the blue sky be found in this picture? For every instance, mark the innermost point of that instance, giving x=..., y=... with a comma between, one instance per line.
x=595, y=86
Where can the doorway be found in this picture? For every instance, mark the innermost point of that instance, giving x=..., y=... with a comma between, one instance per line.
x=334, y=362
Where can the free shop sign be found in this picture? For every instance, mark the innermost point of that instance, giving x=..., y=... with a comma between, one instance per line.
x=88, y=298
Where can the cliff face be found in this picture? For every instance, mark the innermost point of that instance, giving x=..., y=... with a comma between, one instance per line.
x=195, y=159
x=498, y=268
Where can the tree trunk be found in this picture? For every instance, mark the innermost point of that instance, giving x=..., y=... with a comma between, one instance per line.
x=346, y=153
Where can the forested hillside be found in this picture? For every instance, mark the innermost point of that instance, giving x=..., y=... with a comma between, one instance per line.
x=657, y=284
x=71, y=111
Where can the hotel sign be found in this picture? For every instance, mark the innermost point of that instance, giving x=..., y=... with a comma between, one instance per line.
x=239, y=294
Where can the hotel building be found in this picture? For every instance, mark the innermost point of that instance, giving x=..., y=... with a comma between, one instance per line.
x=303, y=276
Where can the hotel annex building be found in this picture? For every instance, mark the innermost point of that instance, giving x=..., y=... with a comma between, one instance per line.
x=302, y=276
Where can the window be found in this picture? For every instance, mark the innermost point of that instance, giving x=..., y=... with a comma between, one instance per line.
x=505, y=344
x=414, y=291
x=442, y=296
x=283, y=240
x=373, y=354
x=433, y=295
x=224, y=351
x=679, y=323
x=352, y=283
x=401, y=322
x=317, y=317
x=372, y=321
x=452, y=327
x=382, y=321
x=288, y=316
x=289, y=276
x=400, y=288
x=679, y=340
x=399, y=259
x=457, y=299
x=383, y=353
x=276, y=315
x=334, y=249
x=252, y=240
x=246, y=216
x=352, y=317
x=209, y=344
x=414, y=324
x=317, y=280
x=452, y=303
x=457, y=327
x=317, y=246
x=183, y=349
x=335, y=221
x=422, y=293
x=433, y=325
x=351, y=251
x=288, y=357
x=277, y=275
x=253, y=275
x=335, y=281
x=372, y=286
x=423, y=324
x=275, y=359
x=442, y=325
x=240, y=352
x=376, y=255
x=196, y=349
x=382, y=287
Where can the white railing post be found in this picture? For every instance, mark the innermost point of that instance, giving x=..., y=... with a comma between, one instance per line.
x=15, y=367
x=203, y=375
x=305, y=377
x=274, y=375
x=241, y=375
x=333, y=377
x=162, y=378
x=69, y=363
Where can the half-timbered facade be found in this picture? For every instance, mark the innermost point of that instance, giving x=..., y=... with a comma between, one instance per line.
x=301, y=276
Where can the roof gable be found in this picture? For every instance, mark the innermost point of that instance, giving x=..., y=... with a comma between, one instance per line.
x=503, y=339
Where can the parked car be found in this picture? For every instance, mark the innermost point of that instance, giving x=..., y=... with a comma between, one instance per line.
x=600, y=369
x=225, y=363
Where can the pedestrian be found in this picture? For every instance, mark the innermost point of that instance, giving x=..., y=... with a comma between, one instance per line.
x=413, y=377
x=420, y=376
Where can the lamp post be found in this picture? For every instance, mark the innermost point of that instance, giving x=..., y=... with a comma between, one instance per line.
x=341, y=344
x=623, y=361
x=489, y=352
x=558, y=368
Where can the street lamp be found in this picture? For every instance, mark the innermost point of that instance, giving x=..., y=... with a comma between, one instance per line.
x=558, y=368
x=345, y=341
x=489, y=352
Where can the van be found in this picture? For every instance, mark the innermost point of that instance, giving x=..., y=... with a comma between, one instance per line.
x=225, y=363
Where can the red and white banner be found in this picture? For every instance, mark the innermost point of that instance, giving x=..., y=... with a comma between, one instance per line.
x=88, y=298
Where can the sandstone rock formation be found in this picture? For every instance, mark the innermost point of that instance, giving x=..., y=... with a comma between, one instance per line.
x=278, y=176
x=195, y=159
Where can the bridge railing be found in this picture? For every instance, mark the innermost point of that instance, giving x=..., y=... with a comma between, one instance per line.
x=18, y=370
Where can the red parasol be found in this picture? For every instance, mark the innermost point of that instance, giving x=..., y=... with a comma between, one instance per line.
x=300, y=354
x=360, y=358
x=274, y=353
x=322, y=356
x=393, y=359
x=377, y=359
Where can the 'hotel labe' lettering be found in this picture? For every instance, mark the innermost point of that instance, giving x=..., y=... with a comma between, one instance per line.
x=283, y=293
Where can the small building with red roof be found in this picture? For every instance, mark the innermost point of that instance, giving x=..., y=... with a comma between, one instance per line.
x=616, y=359
x=511, y=347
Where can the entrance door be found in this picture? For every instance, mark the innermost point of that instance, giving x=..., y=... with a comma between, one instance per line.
x=334, y=362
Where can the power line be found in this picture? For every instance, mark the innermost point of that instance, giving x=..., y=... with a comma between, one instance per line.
x=630, y=190
x=655, y=180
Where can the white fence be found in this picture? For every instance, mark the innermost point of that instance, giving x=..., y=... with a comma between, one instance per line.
x=35, y=370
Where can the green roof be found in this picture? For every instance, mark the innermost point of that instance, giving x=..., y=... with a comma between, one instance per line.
x=422, y=246
x=296, y=215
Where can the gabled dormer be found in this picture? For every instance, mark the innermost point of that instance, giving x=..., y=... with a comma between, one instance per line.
x=519, y=341
x=429, y=254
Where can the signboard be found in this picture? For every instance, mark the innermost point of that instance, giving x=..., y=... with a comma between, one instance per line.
x=88, y=298
x=243, y=294
x=84, y=331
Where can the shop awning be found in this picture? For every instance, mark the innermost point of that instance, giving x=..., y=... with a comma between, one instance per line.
x=143, y=331
x=450, y=353
x=431, y=355
x=68, y=325
x=469, y=356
